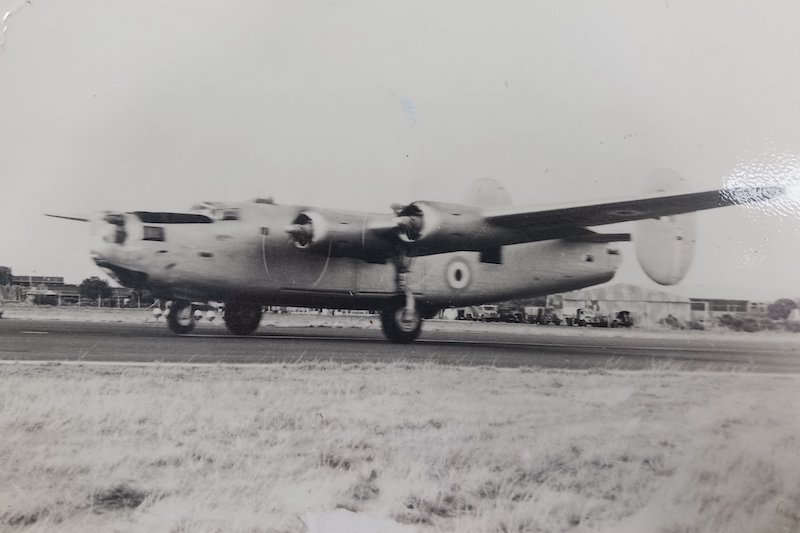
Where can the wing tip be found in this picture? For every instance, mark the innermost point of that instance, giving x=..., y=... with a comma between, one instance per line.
x=749, y=195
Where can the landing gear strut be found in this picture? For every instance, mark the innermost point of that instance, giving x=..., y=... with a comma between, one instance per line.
x=180, y=318
x=400, y=317
x=242, y=318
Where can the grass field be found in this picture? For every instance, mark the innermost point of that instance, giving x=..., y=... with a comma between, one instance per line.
x=273, y=448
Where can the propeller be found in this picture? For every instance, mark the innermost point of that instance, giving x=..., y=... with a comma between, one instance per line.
x=409, y=221
x=301, y=233
x=410, y=226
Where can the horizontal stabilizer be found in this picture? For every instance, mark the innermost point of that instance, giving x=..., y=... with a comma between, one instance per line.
x=79, y=219
x=601, y=238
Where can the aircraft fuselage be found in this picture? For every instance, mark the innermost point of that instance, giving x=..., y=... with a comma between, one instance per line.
x=245, y=255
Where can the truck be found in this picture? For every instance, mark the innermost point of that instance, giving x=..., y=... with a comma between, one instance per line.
x=577, y=317
x=622, y=320
x=510, y=313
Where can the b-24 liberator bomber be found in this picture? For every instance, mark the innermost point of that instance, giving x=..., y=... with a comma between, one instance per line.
x=408, y=263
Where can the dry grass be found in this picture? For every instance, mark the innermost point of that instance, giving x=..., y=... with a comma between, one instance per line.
x=254, y=448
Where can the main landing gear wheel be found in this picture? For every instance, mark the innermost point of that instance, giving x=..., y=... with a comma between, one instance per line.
x=401, y=324
x=242, y=318
x=180, y=318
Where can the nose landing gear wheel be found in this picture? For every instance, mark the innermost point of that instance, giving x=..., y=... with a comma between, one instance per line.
x=180, y=318
x=401, y=325
x=242, y=318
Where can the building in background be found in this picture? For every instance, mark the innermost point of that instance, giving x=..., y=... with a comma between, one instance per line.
x=35, y=281
x=647, y=307
x=51, y=290
x=707, y=310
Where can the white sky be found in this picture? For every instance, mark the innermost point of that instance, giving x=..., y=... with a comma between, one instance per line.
x=358, y=104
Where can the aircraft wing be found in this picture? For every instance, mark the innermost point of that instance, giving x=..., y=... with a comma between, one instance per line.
x=552, y=221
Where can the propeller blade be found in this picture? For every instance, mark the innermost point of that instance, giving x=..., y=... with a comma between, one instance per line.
x=410, y=225
x=299, y=229
x=301, y=233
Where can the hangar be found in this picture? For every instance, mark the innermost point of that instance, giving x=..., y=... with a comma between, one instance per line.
x=647, y=306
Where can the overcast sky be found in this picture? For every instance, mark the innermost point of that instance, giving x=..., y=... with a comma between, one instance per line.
x=359, y=104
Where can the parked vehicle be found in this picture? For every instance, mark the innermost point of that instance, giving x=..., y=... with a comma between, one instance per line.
x=578, y=318
x=542, y=316
x=484, y=313
x=532, y=314
x=598, y=321
x=622, y=320
x=489, y=313
x=465, y=313
x=510, y=314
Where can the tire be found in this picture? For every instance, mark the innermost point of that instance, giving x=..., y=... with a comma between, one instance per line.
x=242, y=318
x=395, y=329
x=181, y=317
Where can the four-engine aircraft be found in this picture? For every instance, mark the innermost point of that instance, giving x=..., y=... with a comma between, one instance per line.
x=409, y=263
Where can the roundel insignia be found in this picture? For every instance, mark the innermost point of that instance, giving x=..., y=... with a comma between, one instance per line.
x=458, y=274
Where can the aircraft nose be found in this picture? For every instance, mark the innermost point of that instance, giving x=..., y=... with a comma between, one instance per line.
x=108, y=229
x=115, y=227
x=107, y=235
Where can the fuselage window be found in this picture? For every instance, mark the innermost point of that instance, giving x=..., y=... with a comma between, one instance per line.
x=153, y=233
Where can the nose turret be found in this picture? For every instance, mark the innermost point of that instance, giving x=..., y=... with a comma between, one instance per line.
x=109, y=227
x=111, y=232
x=108, y=233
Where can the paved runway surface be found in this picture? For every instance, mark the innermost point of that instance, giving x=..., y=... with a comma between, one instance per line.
x=126, y=342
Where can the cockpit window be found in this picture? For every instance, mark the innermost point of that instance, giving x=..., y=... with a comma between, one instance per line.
x=217, y=211
x=227, y=214
x=153, y=233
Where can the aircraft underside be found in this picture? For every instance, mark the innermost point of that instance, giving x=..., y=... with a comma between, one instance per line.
x=434, y=283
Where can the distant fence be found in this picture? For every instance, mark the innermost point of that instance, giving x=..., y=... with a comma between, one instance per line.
x=40, y=296
x=11, y=293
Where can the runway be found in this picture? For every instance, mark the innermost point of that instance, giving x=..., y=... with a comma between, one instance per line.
x=37, y=340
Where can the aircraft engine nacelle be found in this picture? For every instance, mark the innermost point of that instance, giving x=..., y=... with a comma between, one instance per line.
x=665, y=247
x=339, y=233
x=446, y=227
